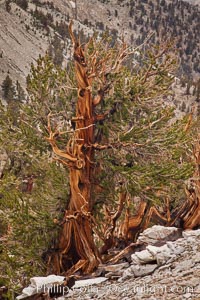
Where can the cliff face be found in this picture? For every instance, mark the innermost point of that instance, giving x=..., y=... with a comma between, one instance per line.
x=19, y=47
x=24, y=34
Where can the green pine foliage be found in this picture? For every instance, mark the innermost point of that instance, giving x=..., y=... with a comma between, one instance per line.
x=20, y=93
x=8, y=89
x=30, y=214
x=22, y=3
x=149, y=153
x=7, y=5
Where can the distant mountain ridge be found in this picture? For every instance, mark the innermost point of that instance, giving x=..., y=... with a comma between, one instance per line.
x=26, y=34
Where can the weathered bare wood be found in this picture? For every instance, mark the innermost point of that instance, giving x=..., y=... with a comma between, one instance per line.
x=192, y=217
x=126, y=252
x=132, y=225
x=111, y=220
x=76, y=246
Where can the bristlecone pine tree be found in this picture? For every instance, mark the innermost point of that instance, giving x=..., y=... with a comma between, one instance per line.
x=113, y=139
x=108, y=76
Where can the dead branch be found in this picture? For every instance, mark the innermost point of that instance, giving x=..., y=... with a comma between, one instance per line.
x=192, y=216
x=126, y=252
x=133, y=223
x=111, y=220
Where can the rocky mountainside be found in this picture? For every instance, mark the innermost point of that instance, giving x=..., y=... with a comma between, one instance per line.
x=168, y=268
x=194, y=2
x=27, y=30
x=18, y=46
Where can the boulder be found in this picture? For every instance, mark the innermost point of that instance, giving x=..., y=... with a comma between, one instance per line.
x=115, y=267
x=137, y=271
x=41, y=281
x=191, y=233
x=143, y=270
x=142, y=257
x=159, y=234
x=152, y=253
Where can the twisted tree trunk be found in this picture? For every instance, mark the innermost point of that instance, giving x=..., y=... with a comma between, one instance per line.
x=76, y=247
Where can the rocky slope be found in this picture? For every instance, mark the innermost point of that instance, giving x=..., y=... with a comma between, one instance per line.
x=26, y=34
x=19, y=47
x=169, y=268
x=194, y=2
x=171, y=272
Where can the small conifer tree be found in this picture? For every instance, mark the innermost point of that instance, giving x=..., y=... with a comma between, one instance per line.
x=8, y=88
